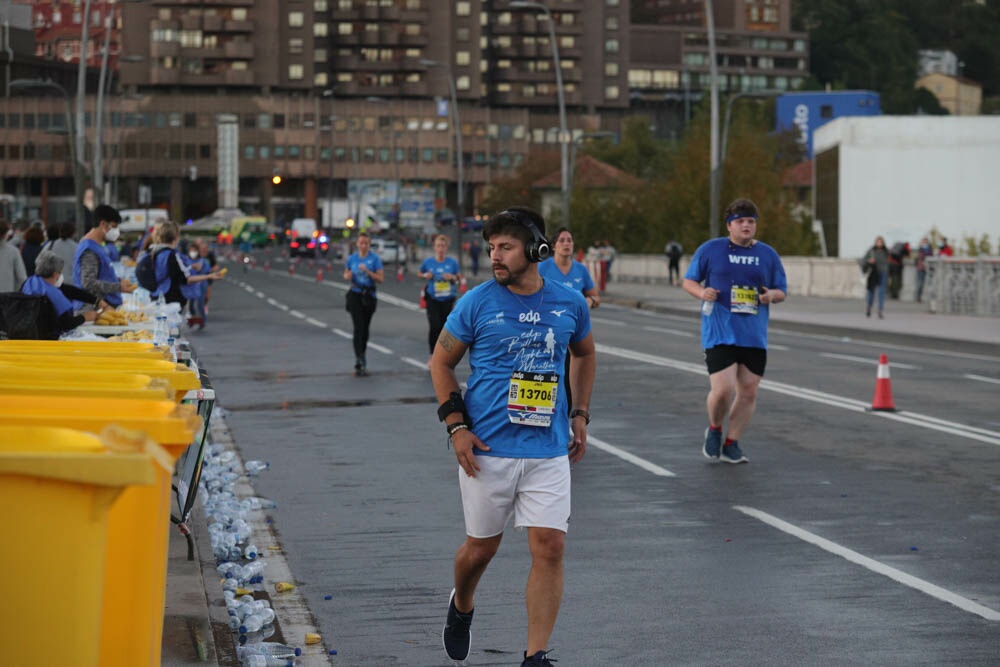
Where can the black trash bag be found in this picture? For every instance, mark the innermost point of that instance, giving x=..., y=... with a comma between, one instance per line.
x=27, y=317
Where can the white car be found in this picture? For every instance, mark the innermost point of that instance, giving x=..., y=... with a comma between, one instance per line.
x=390, y=252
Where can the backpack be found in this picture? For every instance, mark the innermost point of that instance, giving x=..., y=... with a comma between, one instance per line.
x=27, y=317
x=145, y=270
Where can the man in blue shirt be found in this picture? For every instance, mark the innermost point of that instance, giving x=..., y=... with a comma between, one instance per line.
x=441, y=274
x=510, y=434
x=742, y=277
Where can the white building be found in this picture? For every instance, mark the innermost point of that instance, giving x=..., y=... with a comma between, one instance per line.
x=901, y=176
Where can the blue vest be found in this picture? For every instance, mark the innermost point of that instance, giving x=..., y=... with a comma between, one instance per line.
x=105, y=273
x=162, y=271
x=38, y=286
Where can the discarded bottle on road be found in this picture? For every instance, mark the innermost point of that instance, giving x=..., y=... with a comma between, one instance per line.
x=707, y=307
x=273, y=649
x=255, y=467
x=251, y=551
x=258, y=660
x=258, y=503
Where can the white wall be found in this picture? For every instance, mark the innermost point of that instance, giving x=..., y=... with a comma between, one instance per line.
x=900, y=176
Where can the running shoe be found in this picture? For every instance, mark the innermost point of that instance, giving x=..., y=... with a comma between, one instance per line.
x=713, y=444
x=538, y=660
x=732, y=453
x=456, y=636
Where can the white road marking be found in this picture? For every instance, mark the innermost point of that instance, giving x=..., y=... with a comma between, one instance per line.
x=342, y=333
x=259, y=294
x=867, y=360
x=875, y=566
x=628, y=456
x=674, y=332
x=295, y=313
x=422, y=365
x=316, y=323
x=981, y=378
x=913, y=418
x=782, y=348
x=607, y=322
x=380, y=348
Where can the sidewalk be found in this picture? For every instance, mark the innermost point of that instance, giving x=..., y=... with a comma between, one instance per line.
x=839, y=317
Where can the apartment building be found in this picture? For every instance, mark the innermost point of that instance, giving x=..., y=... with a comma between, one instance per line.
x=330, y=93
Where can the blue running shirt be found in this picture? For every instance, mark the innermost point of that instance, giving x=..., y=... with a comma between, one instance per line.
x=578, y=278
x=360, y=282
x=736, y=272
x=506, y=333
x=438, y=288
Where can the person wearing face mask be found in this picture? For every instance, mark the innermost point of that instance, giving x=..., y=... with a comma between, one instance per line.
x=12, y=271
x=92, y=268
x=195, y=292
x=48, y=282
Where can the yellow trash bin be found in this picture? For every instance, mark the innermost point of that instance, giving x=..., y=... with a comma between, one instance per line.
x=57, y=487
x=181, y=378
x=27, y=380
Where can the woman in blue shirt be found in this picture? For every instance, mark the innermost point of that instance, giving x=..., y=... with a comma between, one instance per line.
x=364, y=270
x=441, y=274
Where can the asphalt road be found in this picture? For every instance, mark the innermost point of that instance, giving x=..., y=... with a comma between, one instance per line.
x=852, y=538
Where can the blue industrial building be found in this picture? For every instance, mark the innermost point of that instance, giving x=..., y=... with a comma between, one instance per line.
x=806, y=111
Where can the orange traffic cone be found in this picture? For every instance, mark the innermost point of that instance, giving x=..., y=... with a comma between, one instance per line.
x=882, y=402
x=267, y=265
x=399, y=273
x=291, y=268
x=423, y=298
x=463, y=287
x=319, y=276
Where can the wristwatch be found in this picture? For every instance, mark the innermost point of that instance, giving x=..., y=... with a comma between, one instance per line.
x=581, y=413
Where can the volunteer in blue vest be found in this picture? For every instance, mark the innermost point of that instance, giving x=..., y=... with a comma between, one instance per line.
x=441, y=274
x=172, y=273
x=737, y=278
x=92, y=268
x=48, y=281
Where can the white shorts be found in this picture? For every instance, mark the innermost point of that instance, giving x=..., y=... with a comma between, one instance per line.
x=536, y=492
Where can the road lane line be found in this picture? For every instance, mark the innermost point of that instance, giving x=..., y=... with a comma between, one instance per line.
x=610, y=323
x=628, y=456
x=316, y=323
x=674, y=332
x=912, y=418
x=981, y=378
x=422, y=365
x=781, y=348
x=866, y=360
x=343, y=334
x=873, y=565
x=380, y=348
x=295, y=313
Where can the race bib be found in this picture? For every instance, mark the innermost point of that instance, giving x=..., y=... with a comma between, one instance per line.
x=531, y=398
x=743, y=299
x=442, y=288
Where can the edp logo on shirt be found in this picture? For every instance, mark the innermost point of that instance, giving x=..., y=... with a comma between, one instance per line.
x=530, y=316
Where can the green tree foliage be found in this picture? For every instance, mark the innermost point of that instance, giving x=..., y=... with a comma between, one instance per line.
x=873, y=44
x=518, y=190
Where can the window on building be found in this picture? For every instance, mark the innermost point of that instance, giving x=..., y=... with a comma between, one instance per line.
x=296, y=72
x=296, y=45
x=321, y=79
x=319, y=29
x=264, y=121
x=611, y=46
x=443, y=155
x=368, y=154
x=462, y=58
x=384, y=154
x=190, y=151
x=190, y=38
x=319, y=55
x=190, y=119
x=264, y=151
x=611, y=23
x=463, y=82
x=345, y=28
x=174, y=119
x=294, y=152
x=296, y=19
x=463, y=8
x=319, y=5
x=238, y=14
x=461, y=34
x=204, y=151
x=249, y=121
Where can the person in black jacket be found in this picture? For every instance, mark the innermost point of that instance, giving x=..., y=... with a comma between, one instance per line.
x=48, y=282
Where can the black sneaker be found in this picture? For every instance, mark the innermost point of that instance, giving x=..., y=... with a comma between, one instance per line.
x=732, y=453
x=538, y=660
x=713, y=443
x=456, y=636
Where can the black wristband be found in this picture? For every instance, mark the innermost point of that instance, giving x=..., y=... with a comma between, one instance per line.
x=453, y=404
x=456, y=427
x=581, y=413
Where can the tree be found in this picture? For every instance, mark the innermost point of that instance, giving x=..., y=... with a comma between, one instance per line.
x=517, y=190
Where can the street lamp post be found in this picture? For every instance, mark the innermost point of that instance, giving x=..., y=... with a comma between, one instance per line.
x=714, y=175
x=459, y=158
x=37, y=84
x=81, y=90
x=99, y=120
x=563, y=132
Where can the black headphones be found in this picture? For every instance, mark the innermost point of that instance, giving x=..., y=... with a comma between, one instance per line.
x=539, y=248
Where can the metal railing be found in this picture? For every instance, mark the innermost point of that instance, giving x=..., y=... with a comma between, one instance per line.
x=964, y=286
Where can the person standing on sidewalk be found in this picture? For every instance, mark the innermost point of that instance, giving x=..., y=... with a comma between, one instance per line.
x=923, y=252
x=364, y=270
x=674, y=251
x=876, y=263
x=510, y=435
x=742, y=277
x=441, y=274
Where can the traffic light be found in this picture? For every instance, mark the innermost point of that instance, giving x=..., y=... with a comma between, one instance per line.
x=276, y=177
x=349, y=223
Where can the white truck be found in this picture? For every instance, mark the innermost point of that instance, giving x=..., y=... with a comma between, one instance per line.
x=335, y=213
x=140, y=219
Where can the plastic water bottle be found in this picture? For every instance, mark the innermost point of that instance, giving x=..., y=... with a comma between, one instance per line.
x=255, y=467
x=160, y=331
x=707, y=307
x=258, y=660
x=251, y=551
x=273, y=649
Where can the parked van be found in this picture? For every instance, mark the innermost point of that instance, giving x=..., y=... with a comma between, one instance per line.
x=140, y=219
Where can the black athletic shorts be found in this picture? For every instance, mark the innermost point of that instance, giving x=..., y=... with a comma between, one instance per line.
x=722, y=357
